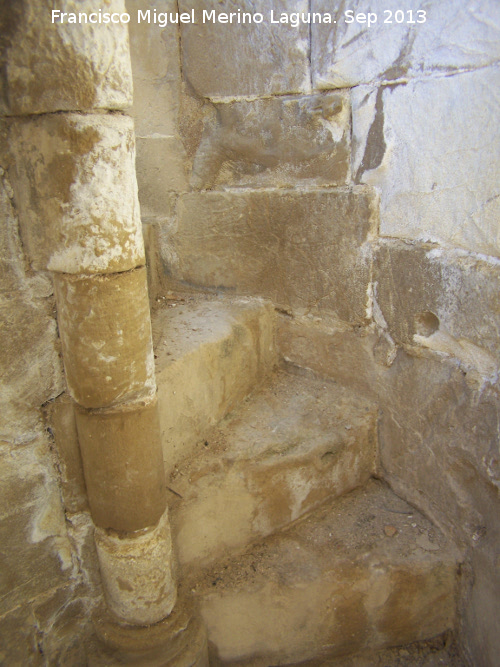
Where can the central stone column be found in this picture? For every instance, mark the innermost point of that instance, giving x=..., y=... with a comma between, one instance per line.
x=72, y=167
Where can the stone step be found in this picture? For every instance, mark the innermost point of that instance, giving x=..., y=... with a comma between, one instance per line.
x=279, y=454
x=365, y=571
x=210, y=353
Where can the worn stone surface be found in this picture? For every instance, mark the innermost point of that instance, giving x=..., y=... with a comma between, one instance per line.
x=332, y=583
x=77, y=67
x=331, y=350
x=107, y=347
x=18, y=638
x=445, y=38
x=286, y=449
x=154, y=53
x=442, y=300
x=74, y=186
x=123, y=465
x=136, y=573
x=32, y=525
x=161, y=169
x=300, y=249
x=430, y=147
x=210, y=354
x=276, y=142
x=226, y=60
x=26, y=311
x=452, y=433
x=62, y=424
x=180, y=640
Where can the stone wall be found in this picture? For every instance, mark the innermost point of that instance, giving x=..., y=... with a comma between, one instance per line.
x=48, y=573
x=350, y=173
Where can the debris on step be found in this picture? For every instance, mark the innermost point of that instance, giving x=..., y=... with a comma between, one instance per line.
x=282, y=452
x=332, y=584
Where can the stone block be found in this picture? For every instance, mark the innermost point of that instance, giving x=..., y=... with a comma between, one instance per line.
x=33, y=534
x=62, y=424
x=154, y=52
x=438, y=424
x=446, y=301
x=136, y=573
x=332, y=584
x=63, y=66
x=123, y=466
x=279, y=454
x=75, y=188
x=107, y=347
x=404, y=42
x=331, y=350
x=210, y=355
x=161, y=169
x=276, y=142
x=18, y=638
x=244, y=59
x=307, y=251
x=33, y=377
x=438, y=178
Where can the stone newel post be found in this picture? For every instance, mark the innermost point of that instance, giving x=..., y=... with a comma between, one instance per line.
x=72, y=155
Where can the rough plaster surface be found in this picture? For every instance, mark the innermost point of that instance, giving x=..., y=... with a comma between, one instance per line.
x=78, y=172
x=299, y=248
x=76, y=67
x=247, y=59
x=333, y=582
x=282, y=452
x=457, y=35
x=431, y=148
x=275, y=142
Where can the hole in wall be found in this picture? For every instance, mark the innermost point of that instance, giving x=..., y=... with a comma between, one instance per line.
x=426, y=323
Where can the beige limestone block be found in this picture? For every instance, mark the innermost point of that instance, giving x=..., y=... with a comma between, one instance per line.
x=226, y=60
x=106, y=342
x=406, y=40
x=161, y=169
x=60, y=418
x=283, y=451
x=136, y=573
x=19, y=644
x=306, y=250
x=180, y=640
x=61, y=66
x=210, y=355
x=75, y=188
x=276, y=142
x=123, y=465
x=30, y=367
x=431, y=148
x=443, y=300
x=32, y=526
x=154, y=52
x=332, y=584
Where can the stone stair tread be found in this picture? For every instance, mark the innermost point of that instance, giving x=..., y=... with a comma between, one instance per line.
x=287, y=417
x=282, y=451
x=182, y=323
x=210, y=353
x=363, y=571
